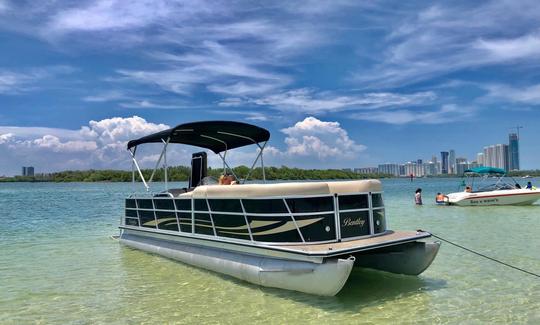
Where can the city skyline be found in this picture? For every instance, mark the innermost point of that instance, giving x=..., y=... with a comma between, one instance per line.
x=455, y=165
x=503, y=156
x=338, y=84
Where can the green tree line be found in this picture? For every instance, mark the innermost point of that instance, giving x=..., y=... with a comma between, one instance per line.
x=182, y=173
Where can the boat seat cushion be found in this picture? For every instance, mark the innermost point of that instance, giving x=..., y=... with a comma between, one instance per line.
x=284, y=189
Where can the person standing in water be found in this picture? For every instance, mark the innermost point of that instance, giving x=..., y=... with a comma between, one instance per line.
x=418, y=196
x=439, y=198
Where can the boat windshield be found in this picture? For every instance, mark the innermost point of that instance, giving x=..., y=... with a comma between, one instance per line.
x=495, y=187
x=486, y=183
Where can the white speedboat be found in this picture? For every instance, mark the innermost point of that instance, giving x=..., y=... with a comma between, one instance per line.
x=303, y=236
x=499, y=193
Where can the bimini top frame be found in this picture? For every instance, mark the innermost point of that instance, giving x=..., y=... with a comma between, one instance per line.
x=218, y=136
x=483, y=173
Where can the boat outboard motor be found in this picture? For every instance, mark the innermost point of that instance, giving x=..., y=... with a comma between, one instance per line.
x=198, y=168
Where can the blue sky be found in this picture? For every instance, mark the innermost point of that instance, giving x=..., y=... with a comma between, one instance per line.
x=338, y=83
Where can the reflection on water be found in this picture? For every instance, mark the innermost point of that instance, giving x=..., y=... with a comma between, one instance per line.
x=58, y=265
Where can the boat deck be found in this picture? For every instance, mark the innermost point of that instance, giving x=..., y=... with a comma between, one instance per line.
x=387, y=239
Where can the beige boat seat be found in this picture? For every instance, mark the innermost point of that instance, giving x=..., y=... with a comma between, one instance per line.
x=283, y=189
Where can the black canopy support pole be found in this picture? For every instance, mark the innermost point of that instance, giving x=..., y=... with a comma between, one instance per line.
x=227, y=165
x=259, y=155
x=133, y=166
x=165, y=167
x=224, y=157
x=139, y=170
x=159, y=160
x=262, y=161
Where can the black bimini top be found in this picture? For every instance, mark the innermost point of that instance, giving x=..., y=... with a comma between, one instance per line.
x=217, y=136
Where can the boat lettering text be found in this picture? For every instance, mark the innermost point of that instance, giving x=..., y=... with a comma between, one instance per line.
x=484, y=201
x=353, y=222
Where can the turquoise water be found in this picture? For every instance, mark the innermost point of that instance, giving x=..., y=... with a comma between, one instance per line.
x=58, y=265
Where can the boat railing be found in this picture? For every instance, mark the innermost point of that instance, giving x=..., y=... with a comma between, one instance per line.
x=269, y=220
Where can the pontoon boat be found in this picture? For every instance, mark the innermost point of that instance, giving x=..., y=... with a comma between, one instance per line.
x=303, y=236
x=499, y=193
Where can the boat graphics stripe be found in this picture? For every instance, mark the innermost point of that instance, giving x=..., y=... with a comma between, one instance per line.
x=284, y=227
x=498, y=195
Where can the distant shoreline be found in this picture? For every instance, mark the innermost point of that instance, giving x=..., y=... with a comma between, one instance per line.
x=181, y=174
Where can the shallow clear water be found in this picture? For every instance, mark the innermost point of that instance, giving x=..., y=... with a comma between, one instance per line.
x=58, y=265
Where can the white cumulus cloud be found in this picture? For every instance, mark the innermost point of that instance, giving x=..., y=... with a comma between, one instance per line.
x=322, y=140
x=100, y=144
x=56, y=145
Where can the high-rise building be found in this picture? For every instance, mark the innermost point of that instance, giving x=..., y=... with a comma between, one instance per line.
x=430, y=168
x=489, y=156
x=480, y=158
x=415, y=169
x=366, y=170
x=501, y=156
x=28, y=171
x=452, y=162
x=513, y=151
x=392, y=169
x=437, y=168
x=444, y=162
x=461, y=167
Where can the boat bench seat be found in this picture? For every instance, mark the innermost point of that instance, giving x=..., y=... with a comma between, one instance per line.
x=283, y=189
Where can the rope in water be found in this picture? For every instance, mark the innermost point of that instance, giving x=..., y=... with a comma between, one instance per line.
x=485, y=256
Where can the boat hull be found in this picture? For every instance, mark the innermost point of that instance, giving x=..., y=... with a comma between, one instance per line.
x=325, y=279
x=319, y=273
x=500, y=197
x=409, y=259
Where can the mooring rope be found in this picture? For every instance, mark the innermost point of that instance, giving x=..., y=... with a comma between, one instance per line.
x=484, y=256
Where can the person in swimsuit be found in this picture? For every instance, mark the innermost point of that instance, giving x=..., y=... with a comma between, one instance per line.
x=418, y=196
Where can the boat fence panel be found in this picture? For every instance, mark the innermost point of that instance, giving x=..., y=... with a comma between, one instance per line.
x=354, y=224
x=131, y=215
x=164, y=204
x=312, y=204
x=353, y=202
x=200, y=205
x=268, y=220
x=166, y=220
x=377, y=200
x=228, y=218
x=147, y=219
x=203, y=224
x=231, y=226
x=269, y=206
x=184, y=218
x=145, y=204
x=130, y=204
x=379, y=221
x=183, y=204
x=225, y=205
x=317, y=228
x=274, y=229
